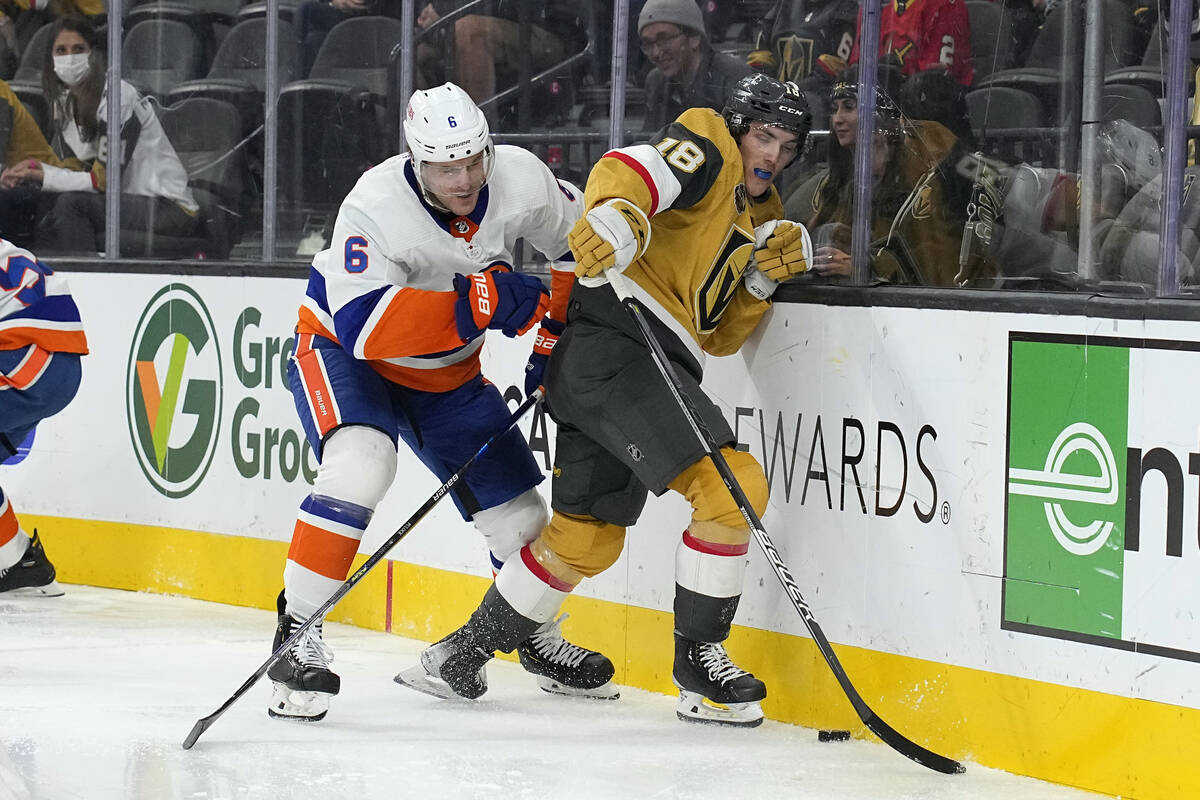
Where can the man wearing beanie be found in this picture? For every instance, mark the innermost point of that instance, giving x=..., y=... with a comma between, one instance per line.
x=687, y=73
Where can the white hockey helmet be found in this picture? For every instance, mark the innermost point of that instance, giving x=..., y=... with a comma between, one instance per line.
x=443, y=125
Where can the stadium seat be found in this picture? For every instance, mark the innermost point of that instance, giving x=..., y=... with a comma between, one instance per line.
x=29, y=69
x=205, y=133
x=287, y=10
x=1151, y=79
x=1129, y=102
x=993, y=46
x=238, y=73
x=332, y=137
x=1002, y=108
x=1042, y=72
x=356, y=53
x=337, y=117
x=157, y=54
x=195, y=18
x=995, y=109
x=1046, y=52
x=27, y=82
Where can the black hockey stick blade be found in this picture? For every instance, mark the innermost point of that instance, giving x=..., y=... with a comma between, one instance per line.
x=907, y=747
x=885, y=732
x=204, y=723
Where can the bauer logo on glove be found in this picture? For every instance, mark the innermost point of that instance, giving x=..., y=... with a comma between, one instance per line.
x=510, y=302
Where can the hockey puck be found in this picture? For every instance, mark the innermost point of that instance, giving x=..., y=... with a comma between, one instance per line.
x=833, y=736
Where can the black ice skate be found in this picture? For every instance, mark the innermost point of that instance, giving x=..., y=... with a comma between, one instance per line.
x=303, y=681
x=712, y=688
x=565, y=668
x=450, y=668
x=32, y=576
x=454, y=666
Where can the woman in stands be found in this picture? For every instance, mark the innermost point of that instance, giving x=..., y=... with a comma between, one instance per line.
x=918, y=202
x=154, y=184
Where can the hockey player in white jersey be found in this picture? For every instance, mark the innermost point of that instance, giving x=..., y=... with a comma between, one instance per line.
x=41, y=342
x=387, y=348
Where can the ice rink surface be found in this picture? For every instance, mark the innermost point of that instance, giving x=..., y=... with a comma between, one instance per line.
x=98, y=689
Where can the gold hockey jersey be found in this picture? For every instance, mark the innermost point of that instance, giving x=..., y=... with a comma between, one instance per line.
x=689, y=184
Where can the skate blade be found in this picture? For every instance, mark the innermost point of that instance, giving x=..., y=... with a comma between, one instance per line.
x=301, y=706
x=698, y=709
x=415, y=677
x=51, y=589
x=605, y=692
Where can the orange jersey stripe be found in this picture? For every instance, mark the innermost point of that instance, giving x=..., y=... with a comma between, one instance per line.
x=52, y=340
x=415, y=323
x=308, y=323
x=324, y=552
x=29, y=370
x=561, y=282
x=442, y=379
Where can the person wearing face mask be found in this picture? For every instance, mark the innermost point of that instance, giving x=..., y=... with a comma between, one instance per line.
x=154, y=192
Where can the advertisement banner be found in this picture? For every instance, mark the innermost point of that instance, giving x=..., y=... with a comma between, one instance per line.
x=1085, y=474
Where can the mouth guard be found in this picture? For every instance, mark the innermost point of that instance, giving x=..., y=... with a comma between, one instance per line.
x=762, y=173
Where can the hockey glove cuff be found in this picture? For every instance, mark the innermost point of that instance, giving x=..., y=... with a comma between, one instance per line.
x=547, y=337
x=510, y=302
x=612, y=234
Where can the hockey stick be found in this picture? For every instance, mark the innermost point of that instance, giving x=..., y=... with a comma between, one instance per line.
x=205, y=723
x=886, y=732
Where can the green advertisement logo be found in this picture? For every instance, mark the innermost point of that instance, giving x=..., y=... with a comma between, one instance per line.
x=1064, y=541
x=173, y=389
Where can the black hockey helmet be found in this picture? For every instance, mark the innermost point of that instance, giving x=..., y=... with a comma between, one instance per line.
x=760, y=97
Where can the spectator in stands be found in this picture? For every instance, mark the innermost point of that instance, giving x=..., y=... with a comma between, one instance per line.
x=923, y=33
x=806, y=41
x=486, y=45
x=316, y=18
x=918, y=218
x=154, y=191
x=687, y=72
x=21, y=141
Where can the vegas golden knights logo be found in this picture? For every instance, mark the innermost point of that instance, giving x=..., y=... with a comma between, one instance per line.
x=715, y=294
x=795, y=58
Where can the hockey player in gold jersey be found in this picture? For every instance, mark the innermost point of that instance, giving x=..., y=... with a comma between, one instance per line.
x=693, y=222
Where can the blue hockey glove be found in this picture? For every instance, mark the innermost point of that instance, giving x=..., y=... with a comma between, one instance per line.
x=510, y=302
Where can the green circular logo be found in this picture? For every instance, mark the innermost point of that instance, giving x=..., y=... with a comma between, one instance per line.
x=173, y=390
